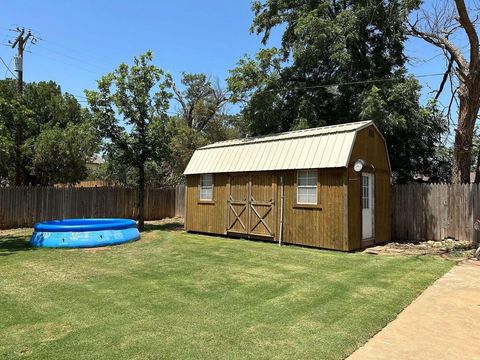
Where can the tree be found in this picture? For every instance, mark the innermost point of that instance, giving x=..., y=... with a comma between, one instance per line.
x=324, y=42
x=415, y=134
x=138, y=97
x=200, y=101
x=12, y=112
x=185, y=140
x=42, y=107
x=201, y=119
x=6, y=154
x=335, y=59
x=437, y=27
x=60, y=155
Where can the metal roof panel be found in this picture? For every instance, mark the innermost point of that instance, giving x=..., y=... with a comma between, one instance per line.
x=324, y=147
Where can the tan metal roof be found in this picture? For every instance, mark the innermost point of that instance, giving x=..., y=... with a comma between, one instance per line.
x=324, y=147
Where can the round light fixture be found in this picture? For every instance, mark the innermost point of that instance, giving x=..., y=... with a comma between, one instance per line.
x=359, y=165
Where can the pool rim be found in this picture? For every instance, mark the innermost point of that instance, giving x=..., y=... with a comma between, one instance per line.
x=84, y=225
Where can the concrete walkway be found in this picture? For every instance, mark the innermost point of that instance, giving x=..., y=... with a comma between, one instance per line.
x=442, y=323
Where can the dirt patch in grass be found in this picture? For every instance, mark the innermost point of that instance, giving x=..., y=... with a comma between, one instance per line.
x=448, y=248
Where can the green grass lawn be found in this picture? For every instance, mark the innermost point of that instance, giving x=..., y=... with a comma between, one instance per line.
x=183, y=296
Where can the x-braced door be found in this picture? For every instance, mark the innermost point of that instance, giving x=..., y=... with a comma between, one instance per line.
x=237, y=207
x=262, y=205
x=251, y=207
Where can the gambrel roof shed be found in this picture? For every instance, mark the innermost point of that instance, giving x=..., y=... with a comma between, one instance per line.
x=317, y=148
x=326, y=187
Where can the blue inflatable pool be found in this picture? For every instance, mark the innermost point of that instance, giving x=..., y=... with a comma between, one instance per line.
x=79, y=233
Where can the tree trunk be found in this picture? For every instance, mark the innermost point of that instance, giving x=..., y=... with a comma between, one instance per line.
x=477, y=168
x=141, y=196
x=468, y=112
x=141, y=175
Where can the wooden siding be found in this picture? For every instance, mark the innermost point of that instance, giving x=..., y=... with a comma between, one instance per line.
x=369, y=146
x=321, y=226
x=208, y=217
x=317, y=226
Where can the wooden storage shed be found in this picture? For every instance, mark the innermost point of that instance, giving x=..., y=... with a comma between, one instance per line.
x=326, y=187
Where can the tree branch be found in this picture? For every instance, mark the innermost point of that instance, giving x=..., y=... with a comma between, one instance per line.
x=179, y=98
x=442, y=43
x=469, y=28
x=445, y=78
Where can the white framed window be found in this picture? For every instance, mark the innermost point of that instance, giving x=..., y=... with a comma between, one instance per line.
x=206, y=187
x=365, y=192
x=307, y=187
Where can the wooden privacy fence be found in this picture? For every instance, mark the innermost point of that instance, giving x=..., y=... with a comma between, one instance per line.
x=24, y=206
x=435, y=212
x=418, y=211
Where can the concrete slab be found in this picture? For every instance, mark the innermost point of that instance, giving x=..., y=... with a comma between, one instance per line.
x=442, y=323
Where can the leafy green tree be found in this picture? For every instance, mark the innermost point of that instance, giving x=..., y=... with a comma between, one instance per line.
x=200, y=120
x=135, y=96
x=185, y=140
x=414, y=134
x=60, y=155
x=200, y=101
x=42, y=107
x=324, y=42
x=6, y=154
x=119, y=173
x=331, y=54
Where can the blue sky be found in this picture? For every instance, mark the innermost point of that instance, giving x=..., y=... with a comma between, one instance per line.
x=82, y=40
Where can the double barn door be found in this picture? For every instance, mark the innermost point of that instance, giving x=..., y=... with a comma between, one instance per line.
x=251, y=205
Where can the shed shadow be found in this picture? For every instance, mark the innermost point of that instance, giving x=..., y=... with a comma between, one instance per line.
x=176, y=225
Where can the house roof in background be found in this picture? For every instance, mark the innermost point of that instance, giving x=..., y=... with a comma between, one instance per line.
x=96, y=159
x=323, y=147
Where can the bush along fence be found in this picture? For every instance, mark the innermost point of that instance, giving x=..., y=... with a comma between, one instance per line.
x=435, y=212
x=24, y=206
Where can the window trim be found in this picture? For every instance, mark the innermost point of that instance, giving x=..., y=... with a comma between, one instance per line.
x=212, y=199
x=316, y=204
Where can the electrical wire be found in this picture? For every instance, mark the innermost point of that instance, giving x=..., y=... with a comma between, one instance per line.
x=351, y=83
x=8, y=68
x=84, y=62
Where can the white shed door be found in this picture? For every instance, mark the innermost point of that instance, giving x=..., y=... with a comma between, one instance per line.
x=368, y=201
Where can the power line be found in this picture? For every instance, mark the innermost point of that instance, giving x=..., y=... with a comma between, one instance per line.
x=67, y=63
x=90, y=64
x=351, y=83
x=8, y=68
x=6, y=71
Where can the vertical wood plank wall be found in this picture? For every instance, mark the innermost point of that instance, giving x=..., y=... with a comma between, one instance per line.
x=320, y=226
x=208, y=217
x=435, y=212
x=370, y=147
x=24, y=206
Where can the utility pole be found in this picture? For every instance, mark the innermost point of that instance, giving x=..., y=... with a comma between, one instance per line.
x=20, y=42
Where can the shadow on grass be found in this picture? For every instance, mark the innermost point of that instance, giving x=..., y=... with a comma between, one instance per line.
x=11, y=244
x=171, y=226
